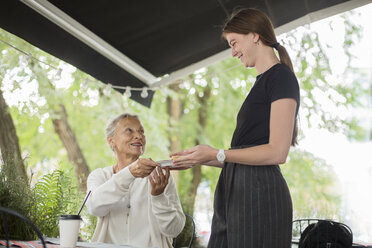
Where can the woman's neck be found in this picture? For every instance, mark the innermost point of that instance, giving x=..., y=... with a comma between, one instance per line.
x=122, y=162
x=266, y=60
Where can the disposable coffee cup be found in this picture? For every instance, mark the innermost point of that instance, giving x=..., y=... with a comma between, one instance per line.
x=69, y=227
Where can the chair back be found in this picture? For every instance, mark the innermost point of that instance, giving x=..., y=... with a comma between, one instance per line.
x=191, y=220
x=308, y=233
x=5, y=212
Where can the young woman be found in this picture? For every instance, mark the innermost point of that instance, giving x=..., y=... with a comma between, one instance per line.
x=252, y=204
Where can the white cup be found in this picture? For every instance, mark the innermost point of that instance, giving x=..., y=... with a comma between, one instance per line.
x=69, y=227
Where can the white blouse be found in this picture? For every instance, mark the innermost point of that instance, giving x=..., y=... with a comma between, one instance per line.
x=127, y=212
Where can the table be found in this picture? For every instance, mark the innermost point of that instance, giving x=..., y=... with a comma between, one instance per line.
x=54, y=243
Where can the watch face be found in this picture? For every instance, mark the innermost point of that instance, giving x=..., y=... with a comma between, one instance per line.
x=220, y=156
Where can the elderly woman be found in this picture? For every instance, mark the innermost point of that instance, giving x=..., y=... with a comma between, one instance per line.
x=136, y=201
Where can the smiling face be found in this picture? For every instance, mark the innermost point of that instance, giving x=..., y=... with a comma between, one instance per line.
x=129, y=139
x=244, y=47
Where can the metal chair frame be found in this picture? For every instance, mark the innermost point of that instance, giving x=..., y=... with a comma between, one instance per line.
x=193, y=231
x=5, y=212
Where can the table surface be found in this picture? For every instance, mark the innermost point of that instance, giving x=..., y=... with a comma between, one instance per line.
x=54, y=243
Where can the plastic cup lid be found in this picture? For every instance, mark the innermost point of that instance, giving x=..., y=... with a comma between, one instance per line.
x=70, y=217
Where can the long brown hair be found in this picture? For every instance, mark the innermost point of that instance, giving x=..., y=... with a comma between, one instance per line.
x=249, y=20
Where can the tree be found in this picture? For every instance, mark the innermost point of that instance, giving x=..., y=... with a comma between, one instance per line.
x=23, y=72
x=322, y=90
x=75, y=155
x=61, y=125
x=10, y=152
x=174, y=109
x=202, y=99
x=200, y=109
x=313, y=185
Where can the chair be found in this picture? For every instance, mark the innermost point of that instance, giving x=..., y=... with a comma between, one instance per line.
x=191, y=220
x=317, y=232
x=5, y=212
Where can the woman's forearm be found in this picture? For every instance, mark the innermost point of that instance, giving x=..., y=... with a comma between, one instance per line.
x=106, y=194
x=266, y=154
x=168, y=211
x=214, y=163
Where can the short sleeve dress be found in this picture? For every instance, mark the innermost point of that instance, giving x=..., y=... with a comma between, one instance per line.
x=252, y=204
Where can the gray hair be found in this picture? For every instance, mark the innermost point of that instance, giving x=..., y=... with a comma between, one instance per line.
x=111, y=125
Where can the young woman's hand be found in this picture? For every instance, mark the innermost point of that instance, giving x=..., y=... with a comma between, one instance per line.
x=143, y=167
x=200, y=154
x=158, y=180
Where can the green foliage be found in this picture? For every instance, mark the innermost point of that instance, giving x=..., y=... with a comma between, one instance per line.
x=33, y=138
x=183, y=239
x=54, y=194
x=15, y=195
x=89, y=108
x=314, y=187
x=211, y=176
x=321, y=90
x=184, y=185
x=88, y=225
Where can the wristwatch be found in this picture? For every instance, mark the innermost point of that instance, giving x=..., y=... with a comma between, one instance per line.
x=221, y=156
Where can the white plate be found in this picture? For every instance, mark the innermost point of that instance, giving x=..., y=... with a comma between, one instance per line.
x=166, y=163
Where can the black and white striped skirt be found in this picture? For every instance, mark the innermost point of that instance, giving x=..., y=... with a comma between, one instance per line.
x=252, y=208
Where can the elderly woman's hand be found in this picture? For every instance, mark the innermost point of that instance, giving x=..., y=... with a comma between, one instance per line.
x=159, y=180
x=143, y=167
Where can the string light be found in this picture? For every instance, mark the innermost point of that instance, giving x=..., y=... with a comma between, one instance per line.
x=109, y=87
x=127, y=92
x=107, y=90
x=144, y=93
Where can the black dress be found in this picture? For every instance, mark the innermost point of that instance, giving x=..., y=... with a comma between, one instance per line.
x=252, y=204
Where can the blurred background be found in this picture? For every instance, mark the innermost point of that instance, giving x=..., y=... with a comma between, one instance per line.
x=59, y=114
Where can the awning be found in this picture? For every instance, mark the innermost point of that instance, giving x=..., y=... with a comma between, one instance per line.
x=146, y=43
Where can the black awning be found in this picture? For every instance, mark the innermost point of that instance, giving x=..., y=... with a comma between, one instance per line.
x=161, y=37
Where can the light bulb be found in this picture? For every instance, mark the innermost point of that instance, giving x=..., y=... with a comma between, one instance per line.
x=107, y=90
x=144, y=93
x=127, y=92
